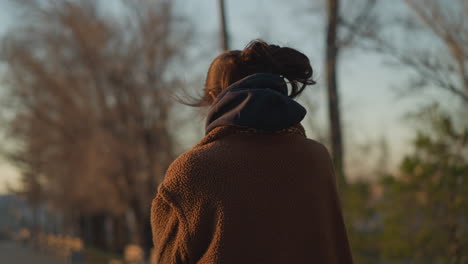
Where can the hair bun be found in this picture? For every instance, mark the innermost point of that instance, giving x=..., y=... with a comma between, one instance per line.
x=287, y=62
x=257, y=57
x=258, y=51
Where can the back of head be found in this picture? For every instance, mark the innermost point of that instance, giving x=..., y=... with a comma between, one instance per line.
x=256, y=57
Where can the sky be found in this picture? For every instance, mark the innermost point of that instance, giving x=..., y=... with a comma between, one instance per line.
x=370, y=106
x=8, y=174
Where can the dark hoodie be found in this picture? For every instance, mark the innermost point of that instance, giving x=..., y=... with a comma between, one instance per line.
x=258, y=101
x=255, y=189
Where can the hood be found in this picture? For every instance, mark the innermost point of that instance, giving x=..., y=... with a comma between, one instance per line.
x=257, y=101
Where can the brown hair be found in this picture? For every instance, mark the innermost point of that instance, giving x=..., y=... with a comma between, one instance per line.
x=256, y=57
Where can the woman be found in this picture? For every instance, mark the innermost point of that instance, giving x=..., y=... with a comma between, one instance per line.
x=255, y=189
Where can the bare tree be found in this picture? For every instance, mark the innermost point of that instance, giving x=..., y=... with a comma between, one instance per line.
x=448, y=25
x=224, y=36
x=93, y=102
x=336, y=40
x=332, y=50
x=441, y=65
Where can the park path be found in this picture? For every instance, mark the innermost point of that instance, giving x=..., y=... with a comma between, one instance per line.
x=12, y=253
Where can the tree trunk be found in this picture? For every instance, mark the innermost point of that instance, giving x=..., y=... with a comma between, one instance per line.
x=333, y=102
x=143, y=234
x=98, y=231
x=120, y=234
x=224, y=33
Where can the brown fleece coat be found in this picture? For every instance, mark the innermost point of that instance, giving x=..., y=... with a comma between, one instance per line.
x=247, y=196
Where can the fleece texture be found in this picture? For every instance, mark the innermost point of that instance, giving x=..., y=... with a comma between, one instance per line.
x=250, y=195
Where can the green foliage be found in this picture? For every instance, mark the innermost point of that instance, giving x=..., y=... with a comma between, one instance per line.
x=425, y=207
x=422, y=215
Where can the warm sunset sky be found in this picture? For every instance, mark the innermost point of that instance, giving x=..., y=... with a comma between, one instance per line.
x=371, y=108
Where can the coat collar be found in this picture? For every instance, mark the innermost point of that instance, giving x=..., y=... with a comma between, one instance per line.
x=222, y=131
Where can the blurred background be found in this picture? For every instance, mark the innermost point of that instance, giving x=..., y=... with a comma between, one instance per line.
x=89, y=124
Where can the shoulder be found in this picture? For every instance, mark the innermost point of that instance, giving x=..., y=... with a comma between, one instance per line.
x=189, y=166
x=317, y=147
x=321, y=155
x=192, y=159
